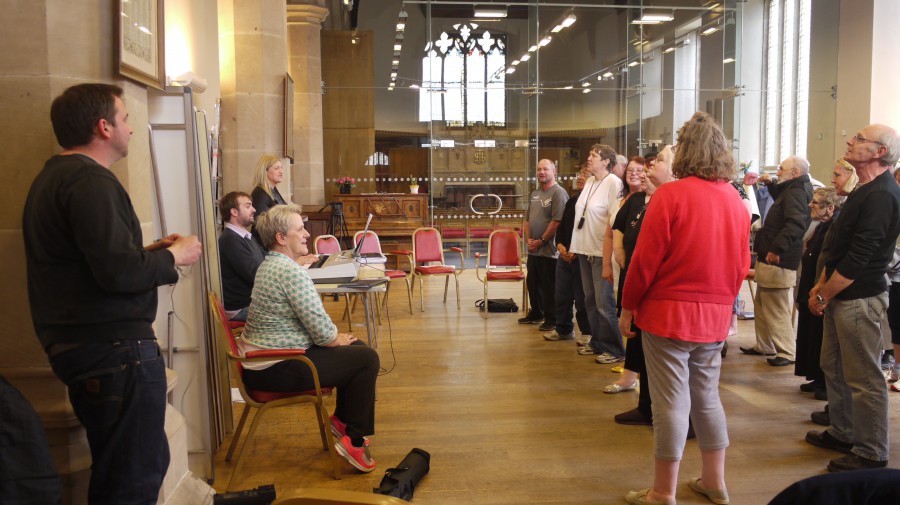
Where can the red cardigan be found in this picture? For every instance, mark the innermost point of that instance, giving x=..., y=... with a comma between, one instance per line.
x=690, y=259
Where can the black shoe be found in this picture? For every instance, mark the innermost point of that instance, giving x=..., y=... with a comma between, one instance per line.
x=753, y=352
x=825, y=440
x=531, y=320
x=854, y=462
x=547, y=326
x=821, y=394
x=633, y=417
x=779, y=361
x=812, y=387
x=821, y=418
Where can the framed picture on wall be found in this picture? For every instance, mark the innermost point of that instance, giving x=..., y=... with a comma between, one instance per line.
x=142, y=41
x=289, y=117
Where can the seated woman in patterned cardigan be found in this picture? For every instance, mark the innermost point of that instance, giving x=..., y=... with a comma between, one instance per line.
x=287, y=313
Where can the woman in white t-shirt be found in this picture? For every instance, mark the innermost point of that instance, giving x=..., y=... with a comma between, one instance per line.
x=592, y=213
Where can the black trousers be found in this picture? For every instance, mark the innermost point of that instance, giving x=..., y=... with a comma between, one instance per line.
x=352, y=369
x=541, y=283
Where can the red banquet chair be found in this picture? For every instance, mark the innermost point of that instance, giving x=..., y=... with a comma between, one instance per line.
x=502, y=264
x=329, y=244
x=266, y=400
x=372, y=244
x=427, y=260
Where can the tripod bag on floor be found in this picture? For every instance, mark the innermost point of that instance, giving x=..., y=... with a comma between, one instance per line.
x=401, y=481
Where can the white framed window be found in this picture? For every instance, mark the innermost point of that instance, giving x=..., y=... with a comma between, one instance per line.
x=463, y=78
x=787, y=80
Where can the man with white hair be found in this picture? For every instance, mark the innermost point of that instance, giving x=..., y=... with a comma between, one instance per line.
x=852, y=296
x=779, y=246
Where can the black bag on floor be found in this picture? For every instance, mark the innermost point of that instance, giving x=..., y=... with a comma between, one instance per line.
x=498, y=305
x=400, y=482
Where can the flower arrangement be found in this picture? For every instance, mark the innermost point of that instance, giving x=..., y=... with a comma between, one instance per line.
x=345, y=181
x=745, y=165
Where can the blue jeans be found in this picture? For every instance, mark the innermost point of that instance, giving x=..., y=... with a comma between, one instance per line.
x=569, y=291
x=601, y=307
x=851, y=361
x=118, y=392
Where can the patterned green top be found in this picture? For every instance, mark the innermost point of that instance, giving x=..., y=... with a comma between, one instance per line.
x=285, y=310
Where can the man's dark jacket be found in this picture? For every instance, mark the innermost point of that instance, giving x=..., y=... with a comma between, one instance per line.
x=786, y=222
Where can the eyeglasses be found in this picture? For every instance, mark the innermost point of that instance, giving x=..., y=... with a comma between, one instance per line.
x=858, y=139
x=635, y=171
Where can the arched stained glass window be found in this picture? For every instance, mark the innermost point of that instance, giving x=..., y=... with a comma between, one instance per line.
x=463, y=81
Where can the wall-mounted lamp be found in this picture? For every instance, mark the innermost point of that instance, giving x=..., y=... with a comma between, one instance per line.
x=191, y=80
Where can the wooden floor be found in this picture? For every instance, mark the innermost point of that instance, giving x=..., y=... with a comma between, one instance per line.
x=511, y=419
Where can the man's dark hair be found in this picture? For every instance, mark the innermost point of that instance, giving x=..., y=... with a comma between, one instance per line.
x=228, y=202
x=75, y=112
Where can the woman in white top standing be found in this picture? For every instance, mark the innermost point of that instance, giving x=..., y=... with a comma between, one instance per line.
x=592, y=213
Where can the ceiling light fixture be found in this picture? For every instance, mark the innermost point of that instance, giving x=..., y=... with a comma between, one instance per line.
x=544, y=41
x=633, y=63
x=525, y=57
x=654, y=17
x=490, y=12
x=532, y=49
x=557, y=29
x=586, y=90
x=710, y=30
x=585, y=84
x=568, y=87
x=608, y=74
x=569, y=21
x=401, y=27
x=510, y=70
x=515, y=62
x=728, y=60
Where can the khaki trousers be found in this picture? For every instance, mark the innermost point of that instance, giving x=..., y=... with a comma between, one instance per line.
x=773, y=305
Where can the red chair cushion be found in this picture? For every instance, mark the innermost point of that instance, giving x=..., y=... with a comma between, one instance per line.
x=514, y=275
x=428, y=246
x=268, y=396
x=480, y=232
x=453, y=233
x=436, y=269
x=236, y=324
x=394, y=274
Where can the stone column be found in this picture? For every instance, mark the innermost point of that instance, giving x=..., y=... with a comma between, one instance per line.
x=304, y=27
x=253, y=64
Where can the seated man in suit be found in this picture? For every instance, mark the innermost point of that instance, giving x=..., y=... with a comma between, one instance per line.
x=239, y=254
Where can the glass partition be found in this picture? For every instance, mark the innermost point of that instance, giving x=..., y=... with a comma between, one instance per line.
x=468, y=97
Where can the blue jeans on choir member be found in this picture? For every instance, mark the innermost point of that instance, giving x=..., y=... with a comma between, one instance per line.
x=118, y=392
x=569, y=291
x=600, y=301
x=851, y=361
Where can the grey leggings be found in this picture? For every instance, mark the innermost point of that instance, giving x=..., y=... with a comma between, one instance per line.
x=685, y=381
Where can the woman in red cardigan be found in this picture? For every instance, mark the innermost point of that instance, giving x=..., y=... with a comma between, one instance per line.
x=685, y=273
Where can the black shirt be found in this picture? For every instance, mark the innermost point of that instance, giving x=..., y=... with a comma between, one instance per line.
x=860, y=243
x=89, y=277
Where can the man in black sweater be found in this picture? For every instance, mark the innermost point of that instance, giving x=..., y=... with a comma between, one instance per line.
x=240, y=255
x=852, y=295
x=779, y=246
x=92, y=290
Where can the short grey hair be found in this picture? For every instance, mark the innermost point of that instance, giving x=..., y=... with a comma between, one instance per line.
x=800, y=163
x=621, y=160
x=276, y=220
x=888, y=138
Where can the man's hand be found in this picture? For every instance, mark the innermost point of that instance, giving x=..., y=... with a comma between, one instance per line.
x=163, y=243
x=608, y=271
x=567, y=257
x=186, y=250
x=750, y=178
x=625, y=323
x=814, y=306
x=534, y=244
x=773, y=259
x=309, y=259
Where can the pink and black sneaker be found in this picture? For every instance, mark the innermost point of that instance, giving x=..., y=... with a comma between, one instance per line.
x=339, y=429
x=357, y=456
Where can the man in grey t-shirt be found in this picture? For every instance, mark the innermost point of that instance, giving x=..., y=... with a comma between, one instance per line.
x=545, y=210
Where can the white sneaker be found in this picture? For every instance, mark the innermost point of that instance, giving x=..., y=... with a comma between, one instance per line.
x=607, y=358
x=582, y=340
x=553, y=336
